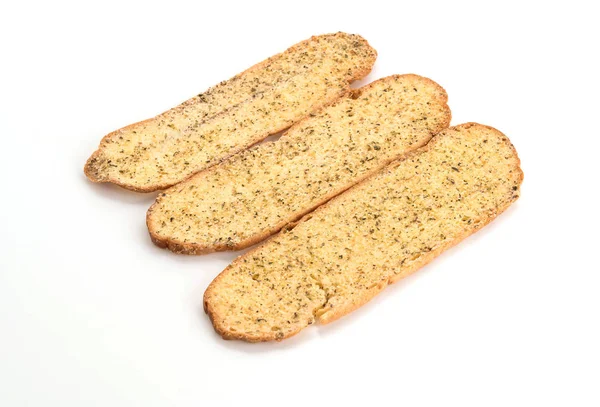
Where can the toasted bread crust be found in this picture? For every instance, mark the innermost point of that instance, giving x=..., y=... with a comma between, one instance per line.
x=228, y=118
x=401, y=106
x=463, y=217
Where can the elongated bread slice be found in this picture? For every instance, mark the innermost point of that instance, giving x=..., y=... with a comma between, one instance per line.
x=347, y=251
x=270, y=96
x=257, y=192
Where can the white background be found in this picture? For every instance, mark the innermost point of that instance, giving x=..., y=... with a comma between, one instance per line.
x=92, y=314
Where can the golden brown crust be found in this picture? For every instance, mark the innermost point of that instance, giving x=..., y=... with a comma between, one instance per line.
x=96, y=166
x=326, y=315
x=194, y=248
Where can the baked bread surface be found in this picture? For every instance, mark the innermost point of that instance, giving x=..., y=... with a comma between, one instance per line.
x=231, y=116
x=254, y=194
x=385, y=228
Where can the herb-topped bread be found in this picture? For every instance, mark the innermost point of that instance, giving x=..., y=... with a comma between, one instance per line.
x=231, y=116
x=257, y=192
x=343, y=254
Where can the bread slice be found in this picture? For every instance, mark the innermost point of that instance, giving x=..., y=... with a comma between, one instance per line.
x=343, y=254
x=270, y=96
x=257, y=192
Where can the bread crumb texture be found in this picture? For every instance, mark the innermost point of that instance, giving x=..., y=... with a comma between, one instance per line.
x=381, y=230
x=257, y=192
x=267, y=98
